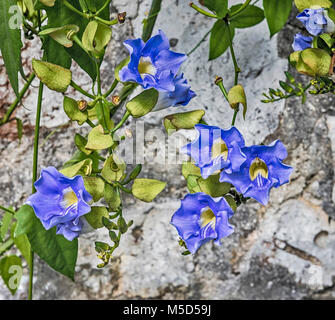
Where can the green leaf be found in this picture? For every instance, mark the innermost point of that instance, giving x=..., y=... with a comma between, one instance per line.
x=113, y=169
x=80, y=156
x=213, y=187
x=184, y=120
x=220, y=7
x=236, y=95
x=143, y=103
x=231, y=202
x=53, y=76
x=98, y=140
x=249, y=17
x=112, y=197
x=188, y=168
x=277, y=13
x=95, y=187
x=305, y=4
x=147, y=189
x=83, y=168
x=23, y=244
x=10, y=43
x=49, y=3
x=94, y=217
x=59, y=12
x=192, y=183
x=220, y=39
x=81, y=142
x=56, y=53
x=11, y=272
x=6, y=222
x=59, y=253
x=72, y=111
x=122, y=224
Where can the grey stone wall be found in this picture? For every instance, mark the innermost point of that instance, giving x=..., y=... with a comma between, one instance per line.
x=285, y=250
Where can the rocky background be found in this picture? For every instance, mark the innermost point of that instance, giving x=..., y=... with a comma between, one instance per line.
x=285, y=250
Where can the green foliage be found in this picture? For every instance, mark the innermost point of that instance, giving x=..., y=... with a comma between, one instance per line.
x=72, y=111
x=288, y=89
x=10, y=43
x=322, y=85
x=112, y=197
x=249, y=17
x=183, y=120
x=113, y=169
x=98, y=140
x=143, y=103
x=277, y=13
x=59, y=253
x=95, y=216
x=95, y=187
x=220, y=7
x=305, y=4
x=221, y=35
x=147, y=189
x=236, y=95
x=83, y=168
x=11, y=272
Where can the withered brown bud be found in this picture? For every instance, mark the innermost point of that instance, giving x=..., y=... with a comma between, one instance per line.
x=116, y=100
x=202, y=2
x=122, y=17
x=82, y=105
x=218, y=80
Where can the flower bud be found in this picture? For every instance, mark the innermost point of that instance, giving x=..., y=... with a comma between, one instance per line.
x=122, y=17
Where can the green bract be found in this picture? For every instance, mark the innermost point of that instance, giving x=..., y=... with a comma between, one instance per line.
x=63, y=35
x=94, y=218
x=95, y=187
x=143, y=103
x=98, y=140
x=113, y=169
x=184, y=120
x=147, y=189
x=95, y=38
x=314, y=4
x=83, y=168
x=312, y=62
x=72, y=111
x=48, y=3
x=236, y=95
x=53, y=76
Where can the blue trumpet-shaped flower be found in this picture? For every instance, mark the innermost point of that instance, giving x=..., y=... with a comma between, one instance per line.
x=301, y=42
x=180, y=96
x=316, y=21
x=200, y=218
x=60, y=201
x=152, y=64
x=262, y=170
x=216, y=149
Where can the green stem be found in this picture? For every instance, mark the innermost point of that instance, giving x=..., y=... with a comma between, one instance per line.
x=103, y=7
x=236, y=67
x=109, y=23
x=150, y=22
x=90, y=123
x=7, y=209
x=119, y=185
x=123, y=120
x=111, y=89
x=81, y=90
x=79, y=43
x=18, y=99
x=100, y=105
x=234, y=116
x=72, y=8
x=199, y=43
x=223, y=90
x=240, y=9
x=205, y=13
x=35, y=162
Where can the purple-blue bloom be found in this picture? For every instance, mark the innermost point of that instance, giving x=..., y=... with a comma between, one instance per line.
x=180, y=96
x=301, y=42
x=60, y=201
x=216, y=149
x=200, y=218
x=314, y=20
x=152, y=64
x=262, y=170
